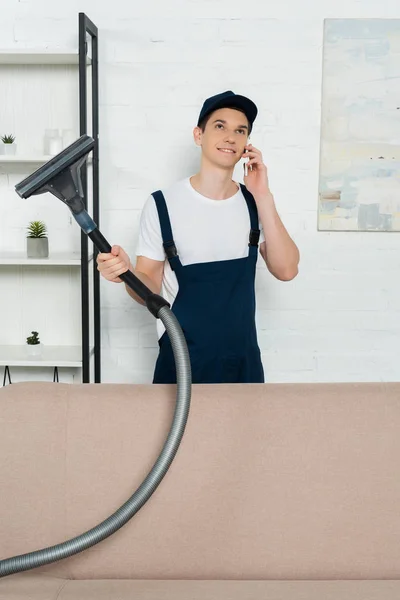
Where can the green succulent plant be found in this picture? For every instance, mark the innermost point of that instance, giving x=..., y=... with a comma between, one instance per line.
x=33, y=339
x=8, y=139
x=37, y=229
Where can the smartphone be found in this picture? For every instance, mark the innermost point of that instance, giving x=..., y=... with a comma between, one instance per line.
x=245, y=165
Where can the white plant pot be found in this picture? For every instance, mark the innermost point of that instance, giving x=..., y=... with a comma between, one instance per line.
x=10, y=149
x=34, y=349
x=37, y=247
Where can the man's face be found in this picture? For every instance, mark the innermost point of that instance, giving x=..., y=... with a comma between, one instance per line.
x=224, y=137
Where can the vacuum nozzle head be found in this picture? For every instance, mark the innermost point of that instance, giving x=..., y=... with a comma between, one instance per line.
x=60, y=175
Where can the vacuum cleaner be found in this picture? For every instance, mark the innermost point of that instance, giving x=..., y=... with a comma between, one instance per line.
x=61, y=176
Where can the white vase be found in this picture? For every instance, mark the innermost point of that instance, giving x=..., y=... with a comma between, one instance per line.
x=10, y=149
x=53, y=141
x=34, y=349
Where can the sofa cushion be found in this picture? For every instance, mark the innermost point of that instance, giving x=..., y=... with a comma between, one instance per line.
x=271, y=482
x=29, y=586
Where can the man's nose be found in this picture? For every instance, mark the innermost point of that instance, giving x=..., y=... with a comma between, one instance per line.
x=229, y=137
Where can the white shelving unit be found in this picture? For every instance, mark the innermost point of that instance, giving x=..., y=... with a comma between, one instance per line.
x=11, y=159
x=63, y=266
x=62, y=356
x=45, y=56
x=51, y=356
x=56, y=259
x=24, y=159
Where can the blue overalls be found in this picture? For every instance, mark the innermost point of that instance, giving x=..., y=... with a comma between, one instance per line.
x=215, y=306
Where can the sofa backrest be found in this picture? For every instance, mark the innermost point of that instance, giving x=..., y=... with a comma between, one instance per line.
x=273, y=481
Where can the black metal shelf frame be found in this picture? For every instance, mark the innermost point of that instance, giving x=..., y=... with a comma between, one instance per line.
x=87, y=28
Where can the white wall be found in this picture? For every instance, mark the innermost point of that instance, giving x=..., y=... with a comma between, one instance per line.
x=339, y=320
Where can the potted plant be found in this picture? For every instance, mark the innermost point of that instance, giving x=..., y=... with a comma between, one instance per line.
x=9, y=145
x=33, y=342
x=37, y=241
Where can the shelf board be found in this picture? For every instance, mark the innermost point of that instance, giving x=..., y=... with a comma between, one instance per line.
x=26, y=158
x=55, y=259
x=52, y=356
x=43, y=56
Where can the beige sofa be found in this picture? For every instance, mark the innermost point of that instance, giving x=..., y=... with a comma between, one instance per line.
x=278, y=491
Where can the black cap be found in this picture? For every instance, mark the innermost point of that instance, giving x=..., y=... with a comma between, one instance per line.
x=229, y=100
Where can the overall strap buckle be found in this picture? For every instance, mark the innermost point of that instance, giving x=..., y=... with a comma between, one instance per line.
x=170, y=249
x=254, y=237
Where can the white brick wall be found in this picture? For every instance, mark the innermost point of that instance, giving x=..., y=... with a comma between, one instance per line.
x=339, y=320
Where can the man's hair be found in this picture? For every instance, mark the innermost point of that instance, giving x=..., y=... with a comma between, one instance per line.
x=204, y=121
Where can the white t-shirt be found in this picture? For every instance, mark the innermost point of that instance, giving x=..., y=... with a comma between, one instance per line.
x=204, y=230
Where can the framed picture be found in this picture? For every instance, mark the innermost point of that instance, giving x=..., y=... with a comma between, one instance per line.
x=359, y=176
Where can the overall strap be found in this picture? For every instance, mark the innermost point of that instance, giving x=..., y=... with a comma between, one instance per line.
x=251, y=205
x=166, y=230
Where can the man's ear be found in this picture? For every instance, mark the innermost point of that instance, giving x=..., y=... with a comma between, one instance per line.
x=197, y=136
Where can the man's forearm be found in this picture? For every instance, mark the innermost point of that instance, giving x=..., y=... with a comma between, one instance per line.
x=282, y=257
x=144, y=279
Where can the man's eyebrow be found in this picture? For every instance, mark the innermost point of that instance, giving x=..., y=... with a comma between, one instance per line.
x=224, y=122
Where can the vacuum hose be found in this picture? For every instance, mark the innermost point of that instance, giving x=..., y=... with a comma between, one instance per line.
x=161, y=309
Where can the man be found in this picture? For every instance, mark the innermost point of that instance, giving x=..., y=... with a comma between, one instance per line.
x=198, y=244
